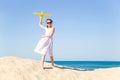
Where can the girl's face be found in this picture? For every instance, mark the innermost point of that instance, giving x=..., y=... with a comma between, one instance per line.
x=48, y=22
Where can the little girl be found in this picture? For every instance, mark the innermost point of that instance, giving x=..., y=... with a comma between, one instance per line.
x=46, y=42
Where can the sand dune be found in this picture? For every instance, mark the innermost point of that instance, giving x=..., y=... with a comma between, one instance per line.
x=15, y=68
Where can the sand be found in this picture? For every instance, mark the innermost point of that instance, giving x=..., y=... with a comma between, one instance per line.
x=16, y=68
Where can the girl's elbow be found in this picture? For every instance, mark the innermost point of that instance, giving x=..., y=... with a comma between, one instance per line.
x=51, y=36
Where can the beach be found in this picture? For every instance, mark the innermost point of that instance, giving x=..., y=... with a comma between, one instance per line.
x=16, y=68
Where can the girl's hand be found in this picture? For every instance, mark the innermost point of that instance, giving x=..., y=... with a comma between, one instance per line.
x=41, y=17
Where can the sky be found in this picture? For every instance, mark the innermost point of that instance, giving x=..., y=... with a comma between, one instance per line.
x=85, y=30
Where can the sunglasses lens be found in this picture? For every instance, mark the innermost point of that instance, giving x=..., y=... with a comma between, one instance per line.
x=48, y=22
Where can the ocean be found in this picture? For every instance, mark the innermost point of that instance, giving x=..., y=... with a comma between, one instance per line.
x=88, y=65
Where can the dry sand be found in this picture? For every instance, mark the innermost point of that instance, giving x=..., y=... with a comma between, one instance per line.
x=15, y=68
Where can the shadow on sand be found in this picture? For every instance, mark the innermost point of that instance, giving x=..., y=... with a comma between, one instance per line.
x=69, y=68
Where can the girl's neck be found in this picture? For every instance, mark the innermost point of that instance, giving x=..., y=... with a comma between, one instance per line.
x=50, y=27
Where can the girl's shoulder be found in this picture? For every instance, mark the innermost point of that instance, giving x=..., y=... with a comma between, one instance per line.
x=53, y=27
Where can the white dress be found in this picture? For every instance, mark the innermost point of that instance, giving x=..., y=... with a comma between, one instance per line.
x=45, y=44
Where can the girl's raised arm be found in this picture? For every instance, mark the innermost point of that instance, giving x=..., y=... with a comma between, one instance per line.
x=40, y=23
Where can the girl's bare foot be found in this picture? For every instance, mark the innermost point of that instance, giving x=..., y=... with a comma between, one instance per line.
x=53, y=66
x=42, y=68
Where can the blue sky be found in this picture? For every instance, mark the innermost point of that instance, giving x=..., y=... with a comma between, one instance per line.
x=85, y=29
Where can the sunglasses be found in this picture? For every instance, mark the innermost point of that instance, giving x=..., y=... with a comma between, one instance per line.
x=49, y=22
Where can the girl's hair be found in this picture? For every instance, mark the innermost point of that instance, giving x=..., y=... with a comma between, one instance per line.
x=50, y=20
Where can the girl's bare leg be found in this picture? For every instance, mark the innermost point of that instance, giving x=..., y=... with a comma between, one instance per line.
x=52, y=60
x=42, y=61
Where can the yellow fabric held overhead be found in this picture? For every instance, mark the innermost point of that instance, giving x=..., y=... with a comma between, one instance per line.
x=41, y=14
